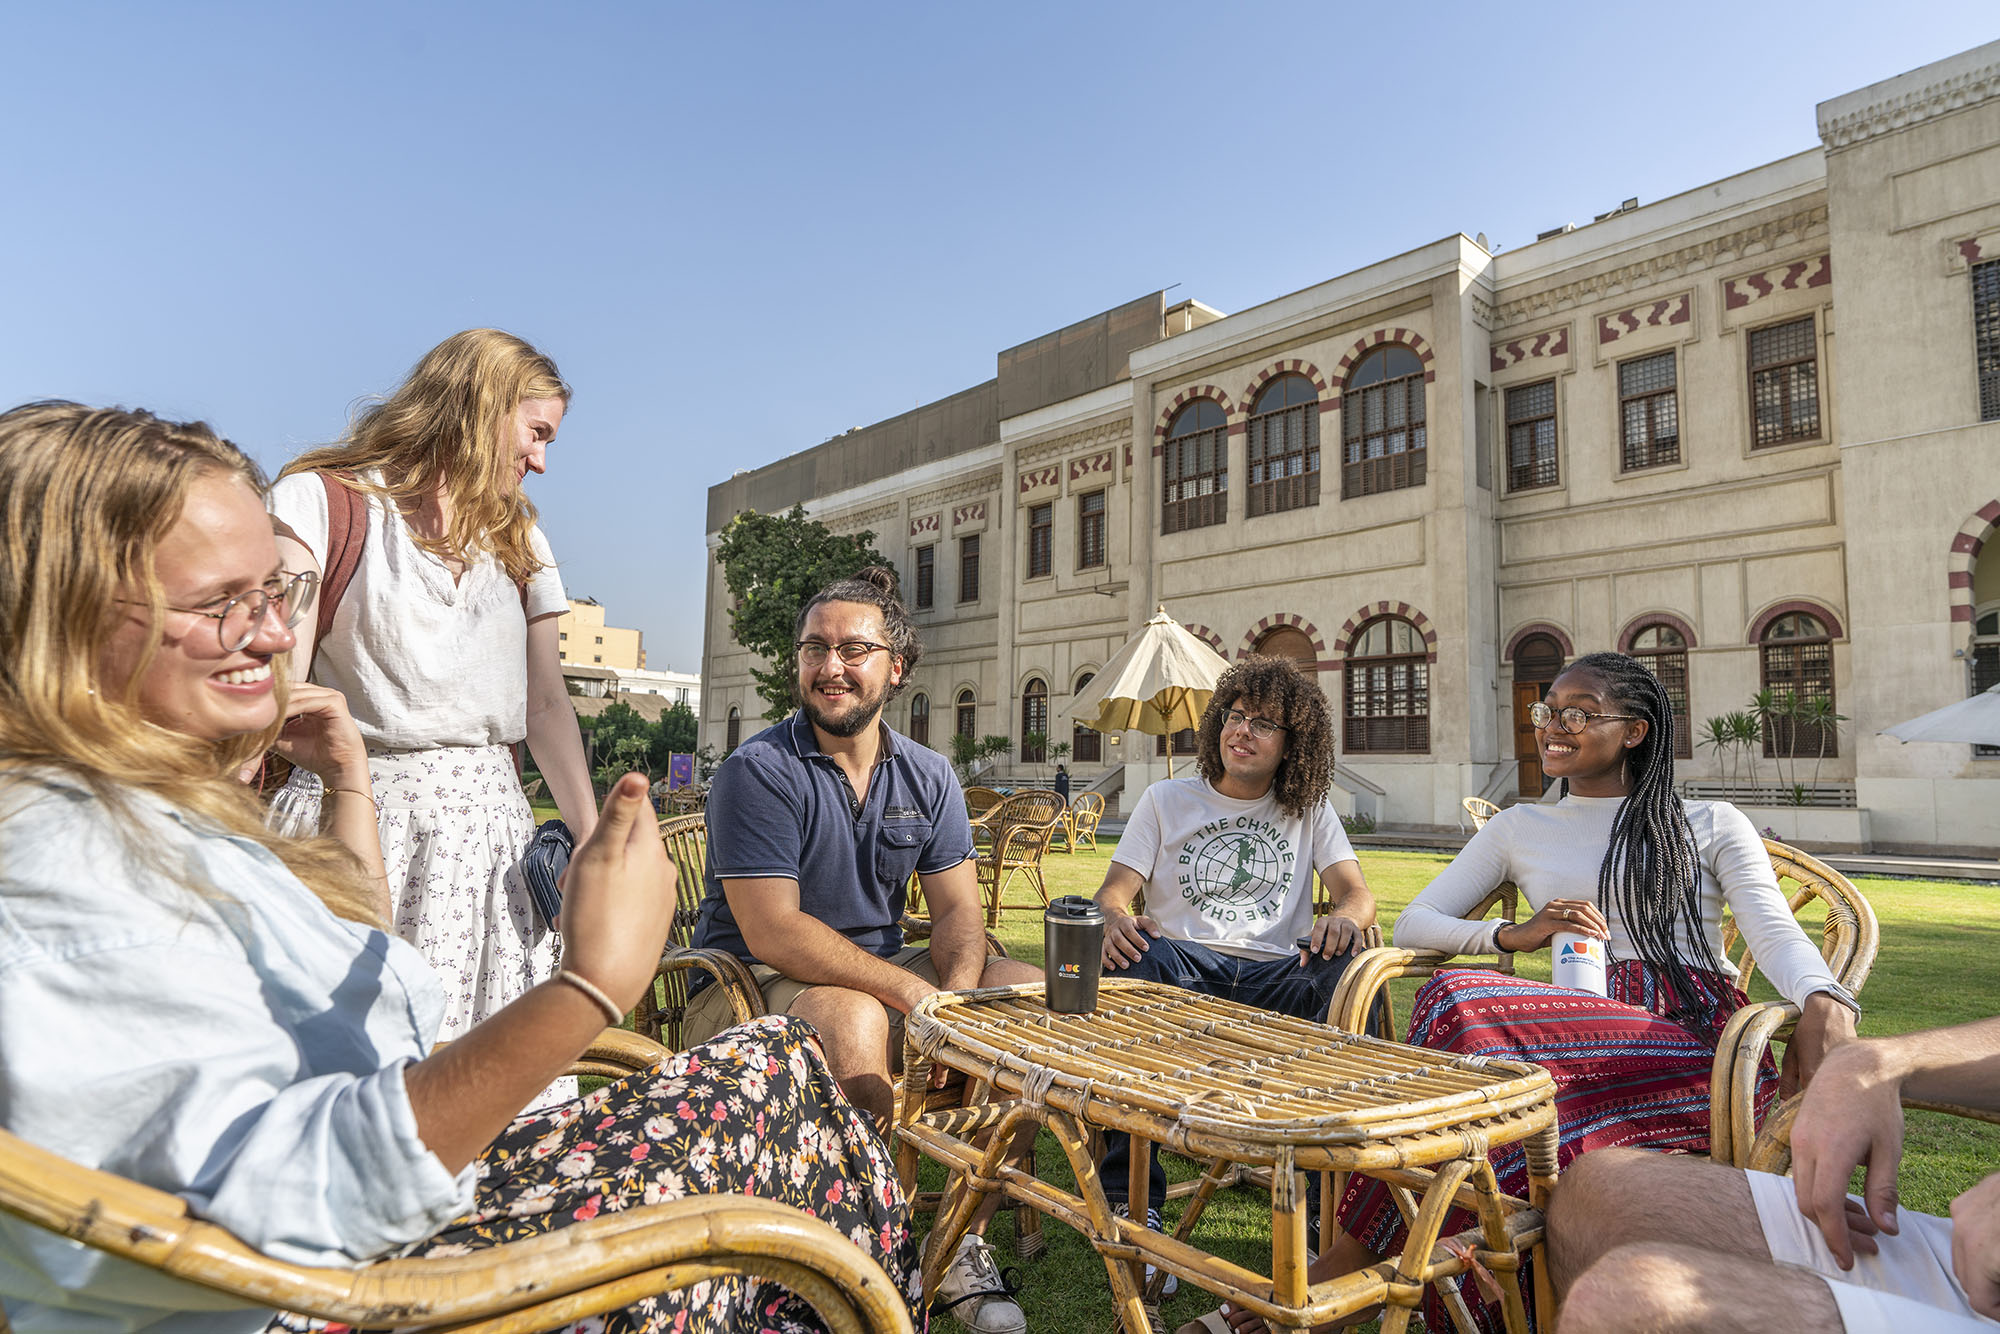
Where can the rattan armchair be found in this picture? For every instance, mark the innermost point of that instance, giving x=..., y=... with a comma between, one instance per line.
x=980, y=801
x=1848, y=942
x=1086, y=812
x=1480, y=810
x=516, y=1288
x=1022, y=826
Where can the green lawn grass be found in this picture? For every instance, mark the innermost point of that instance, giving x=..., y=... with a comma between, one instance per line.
x=1939, y=964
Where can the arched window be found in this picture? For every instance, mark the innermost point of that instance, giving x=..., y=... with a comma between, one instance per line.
x=1538, y=658
x=1797, y=654
x=1288, y=641
x=968, y=714
x=1388, y=690
x=1194, y=468
x=1664, y=651
x=733, y=736
x=1383, y=414
x=1035, y=721
x=1284, y=447
x=1085, y=746
x=920, y=718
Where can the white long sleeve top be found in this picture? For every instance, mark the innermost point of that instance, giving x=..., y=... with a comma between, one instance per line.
x=1554, y=852
x=236, y=1045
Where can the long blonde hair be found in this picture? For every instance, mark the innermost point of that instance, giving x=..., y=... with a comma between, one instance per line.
x=86, y=497
x=445, y=428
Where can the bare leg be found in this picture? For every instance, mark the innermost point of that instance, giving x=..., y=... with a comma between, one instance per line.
x=1686, y=1202
x=1666, y=1289
x=854, y=1029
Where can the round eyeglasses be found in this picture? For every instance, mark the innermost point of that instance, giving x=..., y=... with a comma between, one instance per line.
x=238, y=619
x=854, y=652
x=1573, y=719
x=1261, y=728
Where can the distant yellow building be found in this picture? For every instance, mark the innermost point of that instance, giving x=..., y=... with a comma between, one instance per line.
x=588, y=642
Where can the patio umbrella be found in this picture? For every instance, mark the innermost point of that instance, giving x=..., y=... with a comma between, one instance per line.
x=1159, y=683
x=1974, y=721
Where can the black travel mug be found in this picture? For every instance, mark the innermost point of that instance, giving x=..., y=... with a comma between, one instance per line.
x=1072, y=953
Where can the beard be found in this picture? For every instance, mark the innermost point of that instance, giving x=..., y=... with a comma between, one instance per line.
x=861, y=712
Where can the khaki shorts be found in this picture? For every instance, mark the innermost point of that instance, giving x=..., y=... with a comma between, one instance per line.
x=709, y=1013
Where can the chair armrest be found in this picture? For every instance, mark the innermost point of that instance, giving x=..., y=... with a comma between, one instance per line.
x=746, y=998
x=617, y=1052
x=1772, y=1151
x=1732, y=1080
x=1369, y=974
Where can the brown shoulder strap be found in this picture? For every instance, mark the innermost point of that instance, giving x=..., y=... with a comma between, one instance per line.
x=346, y=533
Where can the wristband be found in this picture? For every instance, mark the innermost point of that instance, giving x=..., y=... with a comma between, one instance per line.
x=612, y=1014
x=357, y=792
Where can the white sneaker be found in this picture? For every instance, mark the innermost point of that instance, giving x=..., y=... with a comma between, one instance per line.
x=973, y=1292
x=1172, y=1285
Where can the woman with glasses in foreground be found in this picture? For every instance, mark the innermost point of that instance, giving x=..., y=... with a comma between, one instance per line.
x=444, y=642
x=215, y=1010
x=1624, y=860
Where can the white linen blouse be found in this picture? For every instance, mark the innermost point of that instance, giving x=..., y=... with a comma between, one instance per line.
x=424, y=660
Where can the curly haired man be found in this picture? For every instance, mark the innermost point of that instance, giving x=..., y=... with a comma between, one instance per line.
x=1227, y=859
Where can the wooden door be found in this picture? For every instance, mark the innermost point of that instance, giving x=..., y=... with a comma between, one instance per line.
x=1527, y=756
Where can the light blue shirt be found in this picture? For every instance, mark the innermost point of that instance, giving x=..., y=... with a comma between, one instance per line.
x=238, y=1046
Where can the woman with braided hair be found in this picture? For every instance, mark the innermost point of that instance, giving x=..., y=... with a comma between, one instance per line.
x=1622, y=858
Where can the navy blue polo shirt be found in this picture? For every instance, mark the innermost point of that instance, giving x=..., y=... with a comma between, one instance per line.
x=781, y=807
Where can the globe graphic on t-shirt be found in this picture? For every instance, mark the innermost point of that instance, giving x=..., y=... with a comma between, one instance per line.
x=1236, y=869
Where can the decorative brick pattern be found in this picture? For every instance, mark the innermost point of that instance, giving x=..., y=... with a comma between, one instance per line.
x=1272, y=372
x=1369, y=613
x=1644, y=619
x=1772, y=613
x=1181, y=400
x=926, y=525
x=1548, y=343
x=1648, y=315
x=973, y=513
x=1794, y=277
x=1035, y=479
x=1097, y=465
x=1272, y=622
x=1554, y=632
x=1208, y=637
x=1966, y=545
x=1409, y=338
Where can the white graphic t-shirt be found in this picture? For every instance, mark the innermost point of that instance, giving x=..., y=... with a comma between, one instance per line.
x=1236, y=876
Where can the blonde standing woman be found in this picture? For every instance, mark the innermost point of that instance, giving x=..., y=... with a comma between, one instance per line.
x=444, y=643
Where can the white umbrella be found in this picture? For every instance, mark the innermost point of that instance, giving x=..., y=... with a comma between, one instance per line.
x=1159, y=683
x=1974, y=721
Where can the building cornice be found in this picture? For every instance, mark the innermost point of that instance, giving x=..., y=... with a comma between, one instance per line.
x=1109, y=433
x=986, y=483
x=1950, y=86
x=1668, y=265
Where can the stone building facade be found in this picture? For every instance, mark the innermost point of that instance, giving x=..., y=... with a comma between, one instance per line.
x=1751, y=432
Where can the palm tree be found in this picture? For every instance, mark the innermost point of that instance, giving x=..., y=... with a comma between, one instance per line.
x=1718, y=736
x=1818, y=713
x=1748, y=730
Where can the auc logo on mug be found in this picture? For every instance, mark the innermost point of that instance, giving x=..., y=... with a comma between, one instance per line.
x=1069, y=972
x=1584, y=949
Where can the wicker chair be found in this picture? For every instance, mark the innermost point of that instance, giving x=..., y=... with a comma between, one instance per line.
x=980, y=801
x=1086, y=812
x=1772, y=1149
x=1848, y=943
x=546, y=1281
x=1021, y=829
x=1480, y=810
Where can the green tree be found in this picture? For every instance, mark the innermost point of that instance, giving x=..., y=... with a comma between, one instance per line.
x=679, y=730
x=772, y=563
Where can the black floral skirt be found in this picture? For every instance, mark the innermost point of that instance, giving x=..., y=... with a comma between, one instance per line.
x=751, y=1111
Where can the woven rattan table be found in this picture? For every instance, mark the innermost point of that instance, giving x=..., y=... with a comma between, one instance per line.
x=1230, y=1085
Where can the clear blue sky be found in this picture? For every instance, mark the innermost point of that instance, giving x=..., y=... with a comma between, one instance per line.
x=742, y=229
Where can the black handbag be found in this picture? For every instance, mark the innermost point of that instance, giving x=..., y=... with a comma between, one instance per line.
x=547, y=858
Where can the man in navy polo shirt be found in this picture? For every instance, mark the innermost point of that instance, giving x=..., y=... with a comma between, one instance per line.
x=814, y=826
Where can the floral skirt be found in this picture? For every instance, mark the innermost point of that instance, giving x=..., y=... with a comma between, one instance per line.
x=1625, y=1075
x=752, y=1111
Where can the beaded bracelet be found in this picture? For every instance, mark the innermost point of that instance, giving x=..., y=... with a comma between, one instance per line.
x=612, y=1014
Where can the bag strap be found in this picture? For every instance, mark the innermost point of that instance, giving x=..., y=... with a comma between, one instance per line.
x=346, y=534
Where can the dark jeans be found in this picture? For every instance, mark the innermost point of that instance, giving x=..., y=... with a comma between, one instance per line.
x=1280, y=985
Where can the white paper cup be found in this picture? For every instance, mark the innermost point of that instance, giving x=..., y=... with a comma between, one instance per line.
x=1578, y=962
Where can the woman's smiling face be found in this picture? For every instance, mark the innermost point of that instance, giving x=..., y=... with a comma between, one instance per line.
x=1597, y=752
x=221, y=546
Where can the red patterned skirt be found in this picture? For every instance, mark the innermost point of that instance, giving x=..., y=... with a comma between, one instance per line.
x=1625, y=1075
